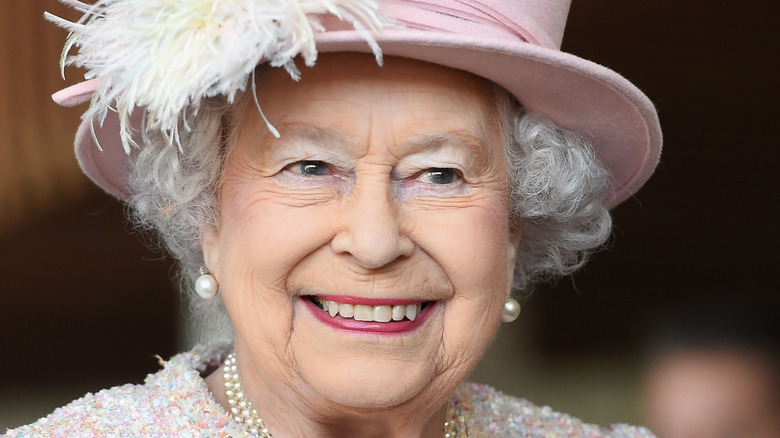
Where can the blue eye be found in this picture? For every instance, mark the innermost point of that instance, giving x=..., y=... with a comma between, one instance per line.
x=315, y=168
x=441, y=175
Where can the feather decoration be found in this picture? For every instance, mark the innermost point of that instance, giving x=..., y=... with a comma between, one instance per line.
x=166, y=55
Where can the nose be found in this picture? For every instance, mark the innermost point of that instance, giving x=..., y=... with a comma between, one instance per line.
x=371, y=230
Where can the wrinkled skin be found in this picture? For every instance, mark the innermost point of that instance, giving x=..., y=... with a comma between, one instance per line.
x=386, y=183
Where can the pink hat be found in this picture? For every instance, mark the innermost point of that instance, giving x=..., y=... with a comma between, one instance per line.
x=514, y=43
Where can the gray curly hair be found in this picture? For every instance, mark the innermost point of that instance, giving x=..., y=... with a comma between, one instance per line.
x=556, y=185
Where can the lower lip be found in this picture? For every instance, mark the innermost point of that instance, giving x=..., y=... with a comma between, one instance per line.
x=353, y=325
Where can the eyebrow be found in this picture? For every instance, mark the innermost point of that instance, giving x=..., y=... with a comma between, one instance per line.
x=328, y=136
x=317, y=134
x=459, y=139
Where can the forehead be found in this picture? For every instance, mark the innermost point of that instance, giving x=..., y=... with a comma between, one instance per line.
x=343, y=89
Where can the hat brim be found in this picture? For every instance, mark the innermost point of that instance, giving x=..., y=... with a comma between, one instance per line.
x=615, y=116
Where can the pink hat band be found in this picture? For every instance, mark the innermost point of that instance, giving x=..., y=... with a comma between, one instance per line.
x=478, y=19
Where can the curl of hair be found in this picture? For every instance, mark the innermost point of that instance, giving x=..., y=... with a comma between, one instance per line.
x=556, y=187
x=176, y=197
x=557, y=184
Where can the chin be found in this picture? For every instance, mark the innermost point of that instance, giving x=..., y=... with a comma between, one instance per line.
x=360, y=383
x=366, y=371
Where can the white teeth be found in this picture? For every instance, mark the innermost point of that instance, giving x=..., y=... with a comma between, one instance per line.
x=399, y=311
x=346, y=310
x=383, y=313
x=362, y=312
x=412, y=310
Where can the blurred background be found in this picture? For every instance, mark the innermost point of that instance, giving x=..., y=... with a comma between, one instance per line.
x=88, y=304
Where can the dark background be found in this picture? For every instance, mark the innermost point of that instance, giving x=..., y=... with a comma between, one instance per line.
x=85, y=301
x=704, y=230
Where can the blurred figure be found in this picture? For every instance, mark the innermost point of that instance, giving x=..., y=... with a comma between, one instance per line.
x=714, y=377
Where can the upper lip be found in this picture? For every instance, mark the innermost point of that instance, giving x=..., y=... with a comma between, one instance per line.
x=349, y=299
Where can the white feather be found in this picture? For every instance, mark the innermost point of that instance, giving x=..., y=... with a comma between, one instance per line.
x=166, y=55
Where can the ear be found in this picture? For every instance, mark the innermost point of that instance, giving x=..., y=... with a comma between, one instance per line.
x=209, y=244
x=515, y=236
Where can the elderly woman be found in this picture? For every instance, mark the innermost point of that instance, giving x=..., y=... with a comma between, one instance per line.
x=357, y=233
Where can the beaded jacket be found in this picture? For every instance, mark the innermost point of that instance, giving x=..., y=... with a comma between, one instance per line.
x=175, y=401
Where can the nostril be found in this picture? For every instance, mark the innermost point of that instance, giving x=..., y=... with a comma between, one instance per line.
x=372, y=249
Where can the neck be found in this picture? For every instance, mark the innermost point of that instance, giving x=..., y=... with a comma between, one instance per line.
x=288, y=413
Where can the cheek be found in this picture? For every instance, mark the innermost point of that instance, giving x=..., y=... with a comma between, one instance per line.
x=261, y=240
x=259, y=228
x=470, y=243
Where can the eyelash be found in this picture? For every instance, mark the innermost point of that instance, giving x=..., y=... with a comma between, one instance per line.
x=321, y=168
x=318, y=173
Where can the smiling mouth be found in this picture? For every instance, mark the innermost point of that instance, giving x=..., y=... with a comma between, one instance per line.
x=368, y=313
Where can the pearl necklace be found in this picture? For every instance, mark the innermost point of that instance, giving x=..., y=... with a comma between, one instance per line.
x=240, y=406
x=246, y=415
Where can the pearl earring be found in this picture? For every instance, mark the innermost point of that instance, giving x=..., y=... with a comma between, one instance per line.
x=511, y=310
x=206, y=285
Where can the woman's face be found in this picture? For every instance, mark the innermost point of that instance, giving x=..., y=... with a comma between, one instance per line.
x=364, y=256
